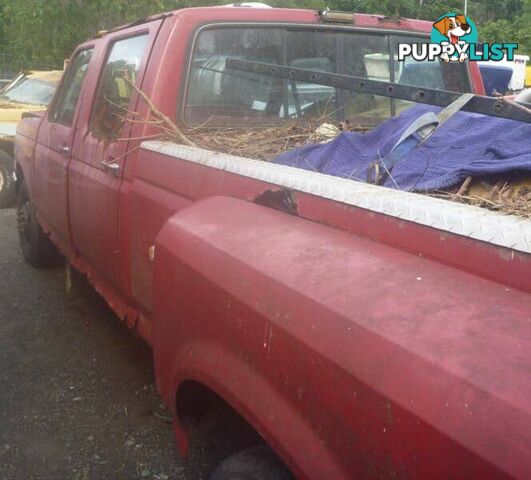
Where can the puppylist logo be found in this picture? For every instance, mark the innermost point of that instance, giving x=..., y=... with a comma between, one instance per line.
x=455, y=38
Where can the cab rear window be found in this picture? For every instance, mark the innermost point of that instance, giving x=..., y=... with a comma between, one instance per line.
x=217, y=96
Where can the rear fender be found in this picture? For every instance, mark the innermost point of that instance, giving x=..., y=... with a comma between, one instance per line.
x=203, y=333
x=346, y=355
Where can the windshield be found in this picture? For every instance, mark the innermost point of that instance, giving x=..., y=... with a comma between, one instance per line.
x=29, y=91
x=218, y=96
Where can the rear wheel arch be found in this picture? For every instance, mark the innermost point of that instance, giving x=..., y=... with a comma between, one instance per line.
x=194, y=401
x=200, y=407
x=255, y=399
x=188, y=365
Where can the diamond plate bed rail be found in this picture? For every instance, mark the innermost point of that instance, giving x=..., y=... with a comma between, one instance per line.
x=466, y=220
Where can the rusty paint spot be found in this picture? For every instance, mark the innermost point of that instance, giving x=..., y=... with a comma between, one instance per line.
x=283, y=200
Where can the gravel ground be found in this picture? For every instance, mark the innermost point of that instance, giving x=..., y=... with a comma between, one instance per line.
x=77, y=394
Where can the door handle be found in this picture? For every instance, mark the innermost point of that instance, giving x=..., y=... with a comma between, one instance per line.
x=64, y=149
x=111, y=167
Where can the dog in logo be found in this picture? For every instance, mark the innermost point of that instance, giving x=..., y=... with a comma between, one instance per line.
x=453, y=28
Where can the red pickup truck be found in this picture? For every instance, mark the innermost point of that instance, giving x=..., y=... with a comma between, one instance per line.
x=357, y=331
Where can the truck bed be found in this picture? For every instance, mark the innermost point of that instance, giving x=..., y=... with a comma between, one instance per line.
x=417, y=223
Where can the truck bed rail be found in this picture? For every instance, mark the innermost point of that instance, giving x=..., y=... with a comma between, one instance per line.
x=466, y=220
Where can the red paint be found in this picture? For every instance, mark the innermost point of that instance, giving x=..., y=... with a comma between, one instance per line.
x=356, y=355
x=357, y=344
x=484, y=259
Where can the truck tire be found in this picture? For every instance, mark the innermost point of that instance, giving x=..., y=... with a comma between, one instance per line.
x=37, y=248
x=256, y=463
x=7, y=185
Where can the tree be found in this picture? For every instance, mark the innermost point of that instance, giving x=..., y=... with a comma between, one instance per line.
x=41, y=33
x=515, y=27
x=52, y=28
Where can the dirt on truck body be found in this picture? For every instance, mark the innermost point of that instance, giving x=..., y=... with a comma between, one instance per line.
x=349, y=327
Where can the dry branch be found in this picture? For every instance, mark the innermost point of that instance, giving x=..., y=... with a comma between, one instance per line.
x=166, y=123
x=507, y=195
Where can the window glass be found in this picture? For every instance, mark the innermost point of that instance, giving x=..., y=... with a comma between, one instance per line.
x=436, y=74
x=31, y=92
x=65, y=107
x=223, y=94
x=115, y=89
x=217, y=96
x=364, y=55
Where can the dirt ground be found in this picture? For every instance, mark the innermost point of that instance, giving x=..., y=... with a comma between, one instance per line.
x=77, y=394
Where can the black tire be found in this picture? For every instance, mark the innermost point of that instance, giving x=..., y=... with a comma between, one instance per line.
x=37, y=248
x=7, y=185
x=256, y=463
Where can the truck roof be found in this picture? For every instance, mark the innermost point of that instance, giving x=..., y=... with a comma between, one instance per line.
x=201, y=15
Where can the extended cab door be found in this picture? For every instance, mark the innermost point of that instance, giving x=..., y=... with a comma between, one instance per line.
x=96, y=170
x=54, y=144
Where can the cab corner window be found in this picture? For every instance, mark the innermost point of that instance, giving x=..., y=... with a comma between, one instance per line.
x=116, y=86
x=64, y=108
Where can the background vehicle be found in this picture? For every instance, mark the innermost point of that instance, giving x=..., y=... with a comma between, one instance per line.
x=496, y=78
x=350, y=329
x=28, y=91
x=504, y=76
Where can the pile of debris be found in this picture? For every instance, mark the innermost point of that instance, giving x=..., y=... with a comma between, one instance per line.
x=507, y=195
x=269, y=142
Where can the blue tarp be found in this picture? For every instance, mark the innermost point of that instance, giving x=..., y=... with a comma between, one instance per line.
x=468, y=144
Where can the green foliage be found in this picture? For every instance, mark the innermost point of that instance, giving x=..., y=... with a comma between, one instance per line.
x=426, y=9
x=510, y=29
x=41, y=33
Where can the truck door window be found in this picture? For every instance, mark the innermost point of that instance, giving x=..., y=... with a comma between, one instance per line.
x=115, y=88
x=63, y=109
x=216, y=96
